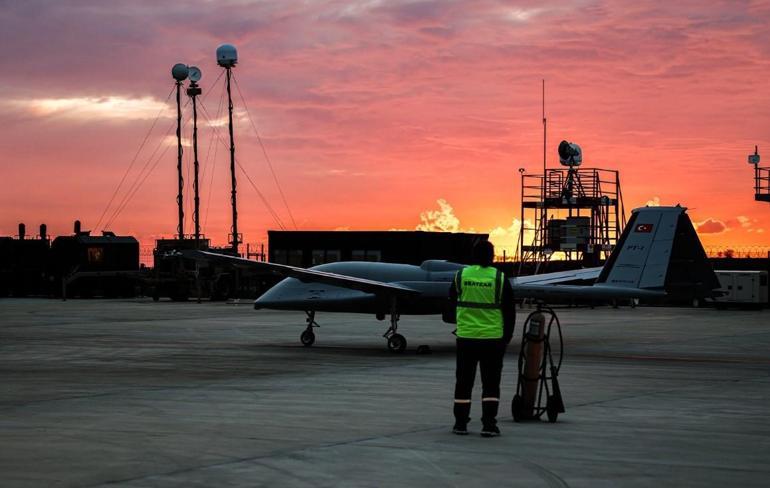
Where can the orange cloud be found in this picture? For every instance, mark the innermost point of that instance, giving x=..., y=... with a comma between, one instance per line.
x=711, y=226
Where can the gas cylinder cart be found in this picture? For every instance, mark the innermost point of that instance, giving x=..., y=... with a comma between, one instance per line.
x=538, y=382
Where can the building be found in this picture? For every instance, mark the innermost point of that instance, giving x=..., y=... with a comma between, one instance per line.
x=310, y=248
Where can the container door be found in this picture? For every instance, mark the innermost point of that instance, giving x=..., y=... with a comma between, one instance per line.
x=744, y=287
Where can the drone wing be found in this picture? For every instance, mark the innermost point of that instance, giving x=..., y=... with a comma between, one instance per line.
x=308, y=275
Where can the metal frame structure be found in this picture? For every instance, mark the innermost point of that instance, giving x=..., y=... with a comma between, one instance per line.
x=563, y=193
x=761, y=183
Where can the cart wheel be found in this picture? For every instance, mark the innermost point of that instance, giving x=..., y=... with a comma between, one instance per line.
x=551, y=409
x=516, y=408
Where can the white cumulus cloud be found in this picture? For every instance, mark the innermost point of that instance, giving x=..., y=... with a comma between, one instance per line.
x=654, y=202
x=441, y=220
x=89, y=108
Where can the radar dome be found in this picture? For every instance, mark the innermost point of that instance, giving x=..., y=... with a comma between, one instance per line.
x=570, y=154
x=179, y=72
x=227, y=56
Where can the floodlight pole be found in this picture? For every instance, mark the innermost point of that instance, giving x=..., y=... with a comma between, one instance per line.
x=233, y=197
x=179, y=197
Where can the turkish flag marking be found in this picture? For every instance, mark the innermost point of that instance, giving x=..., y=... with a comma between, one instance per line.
x=644, y=228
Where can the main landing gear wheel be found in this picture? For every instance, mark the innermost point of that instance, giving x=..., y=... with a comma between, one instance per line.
x=307, y=338
x=396, y=343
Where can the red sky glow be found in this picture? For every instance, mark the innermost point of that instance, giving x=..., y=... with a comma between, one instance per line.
x=382, y=114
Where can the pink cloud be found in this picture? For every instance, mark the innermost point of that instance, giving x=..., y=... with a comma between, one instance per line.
x=391, y=105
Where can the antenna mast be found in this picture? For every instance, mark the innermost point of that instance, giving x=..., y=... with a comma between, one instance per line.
x=544, y=138
x=193, y=91
x=179, y=71
x=543, y=211
x=227, y=57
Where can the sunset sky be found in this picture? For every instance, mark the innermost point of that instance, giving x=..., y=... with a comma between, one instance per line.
x=383, y=114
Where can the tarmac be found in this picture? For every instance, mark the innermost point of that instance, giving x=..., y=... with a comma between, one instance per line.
x=134, y=393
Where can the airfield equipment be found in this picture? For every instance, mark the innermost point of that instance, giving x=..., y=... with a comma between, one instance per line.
x=575, y=211
x=538, y=381
x=761, y=178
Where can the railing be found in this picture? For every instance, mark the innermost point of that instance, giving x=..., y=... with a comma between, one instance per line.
x=762, y=184
x=738, y=252
x=146, y=255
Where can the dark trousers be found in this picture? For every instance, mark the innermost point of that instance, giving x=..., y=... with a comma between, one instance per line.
x=488, y=353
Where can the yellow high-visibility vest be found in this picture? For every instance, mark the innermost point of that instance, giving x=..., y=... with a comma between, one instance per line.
x=479, y=297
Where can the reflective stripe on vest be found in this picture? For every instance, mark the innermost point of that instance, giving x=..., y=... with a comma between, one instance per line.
x=479, y=297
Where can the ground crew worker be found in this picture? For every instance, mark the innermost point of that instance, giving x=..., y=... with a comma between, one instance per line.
x=486, y=315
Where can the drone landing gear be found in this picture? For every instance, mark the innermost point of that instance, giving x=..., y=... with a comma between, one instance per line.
x=396, y=342
x=308, y=337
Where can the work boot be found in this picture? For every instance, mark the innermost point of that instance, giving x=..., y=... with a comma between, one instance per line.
x=461, y=412
x=490, y=430
x=489, y=418
x=460, y=428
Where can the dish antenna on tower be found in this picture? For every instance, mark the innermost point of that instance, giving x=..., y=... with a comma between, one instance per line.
x=194, y=73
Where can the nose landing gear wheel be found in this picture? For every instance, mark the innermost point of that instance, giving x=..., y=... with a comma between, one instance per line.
x=396, y=343
x=307, y=338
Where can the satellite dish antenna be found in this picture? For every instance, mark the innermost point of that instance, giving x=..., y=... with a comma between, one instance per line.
x=227, y=56
x=194, y=73
x=179, y=72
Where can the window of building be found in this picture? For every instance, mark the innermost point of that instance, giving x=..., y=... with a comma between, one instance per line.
x=95, y=255
x=332, y=255
x=365, y=255
x=280, y=256
x=374, y=255
x=358, y=255
x=318, y=257
x=295, y=257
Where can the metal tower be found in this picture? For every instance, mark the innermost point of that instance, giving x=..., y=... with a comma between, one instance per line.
x=577, y=212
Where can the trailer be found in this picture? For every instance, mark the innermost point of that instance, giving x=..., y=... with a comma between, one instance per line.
x=742, y=288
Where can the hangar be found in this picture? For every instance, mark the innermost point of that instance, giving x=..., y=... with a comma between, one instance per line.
x=310, y=248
